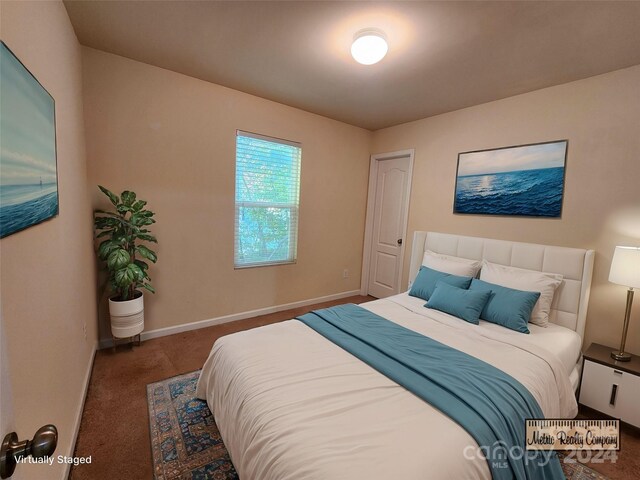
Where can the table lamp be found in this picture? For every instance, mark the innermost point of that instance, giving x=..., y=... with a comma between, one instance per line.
x=625, y=270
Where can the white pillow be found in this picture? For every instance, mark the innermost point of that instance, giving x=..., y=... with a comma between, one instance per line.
x=528, y=280
x=452, y=265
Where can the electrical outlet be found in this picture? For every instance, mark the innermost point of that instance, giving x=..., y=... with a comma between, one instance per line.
x=345, y=273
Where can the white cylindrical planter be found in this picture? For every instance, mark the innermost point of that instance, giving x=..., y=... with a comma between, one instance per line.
x=127, y=317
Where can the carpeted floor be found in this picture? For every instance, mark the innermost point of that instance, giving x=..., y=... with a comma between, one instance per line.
x=115, y=423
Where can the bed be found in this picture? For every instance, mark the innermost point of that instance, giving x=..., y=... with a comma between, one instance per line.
x=291, y=404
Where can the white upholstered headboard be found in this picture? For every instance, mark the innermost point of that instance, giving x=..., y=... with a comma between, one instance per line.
x=569, y=307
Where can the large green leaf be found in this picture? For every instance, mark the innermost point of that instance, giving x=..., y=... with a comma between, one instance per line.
x=138, y=273
x=147, y=237
x=119, y=238
x=148, y=287
x=128, y=197
x=104, y=234
x=122, y=208
x=142, y=264
x=147, y=253
x=144, y=267
x=124, y=277
x=106, y=247
x=101, y=223
x=139, y=219
x=105, y=218
x=118, y=259
x=138, y=205
x=128, y=275
x=113, y=197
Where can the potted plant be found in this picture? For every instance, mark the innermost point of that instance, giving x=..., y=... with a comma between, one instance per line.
x=125, y=257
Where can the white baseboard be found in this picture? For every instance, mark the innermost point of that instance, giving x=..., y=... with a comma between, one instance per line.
x=83, y=398
x=185, y=327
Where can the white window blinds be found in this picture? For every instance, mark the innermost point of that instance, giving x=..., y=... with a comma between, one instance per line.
x=267, y=197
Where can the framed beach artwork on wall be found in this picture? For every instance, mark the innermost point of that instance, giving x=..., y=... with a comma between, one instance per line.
x=28, y=163
x=525, y=180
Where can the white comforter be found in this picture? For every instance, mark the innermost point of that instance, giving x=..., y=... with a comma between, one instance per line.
x=292, y=405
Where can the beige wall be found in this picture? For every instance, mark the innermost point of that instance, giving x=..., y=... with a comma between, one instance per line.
x=600, y=116
x=171, y=138
x=47, y=271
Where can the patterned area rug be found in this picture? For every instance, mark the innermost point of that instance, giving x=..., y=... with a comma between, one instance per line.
x=185, y=440
x=186, y=443
x=574, y=470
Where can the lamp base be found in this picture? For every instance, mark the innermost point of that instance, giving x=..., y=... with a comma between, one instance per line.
x=621, y=356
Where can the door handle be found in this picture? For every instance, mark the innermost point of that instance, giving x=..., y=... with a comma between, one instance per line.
x=614, y=394
x=399, y=241
x=43, y=444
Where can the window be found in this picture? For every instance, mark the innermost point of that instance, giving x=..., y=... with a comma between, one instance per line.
x=267, y=195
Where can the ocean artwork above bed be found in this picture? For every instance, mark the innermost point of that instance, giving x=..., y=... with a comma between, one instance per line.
x=29, y=181
x=525, y=180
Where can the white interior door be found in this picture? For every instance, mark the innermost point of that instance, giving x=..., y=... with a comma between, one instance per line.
x=390, y=206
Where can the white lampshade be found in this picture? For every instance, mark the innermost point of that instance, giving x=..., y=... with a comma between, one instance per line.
x=369, y=46
x=625, y=267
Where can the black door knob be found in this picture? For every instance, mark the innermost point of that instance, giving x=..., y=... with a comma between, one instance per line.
x=43, y=444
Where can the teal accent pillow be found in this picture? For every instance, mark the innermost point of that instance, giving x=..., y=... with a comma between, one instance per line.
x=464, y=304
x=425, y=282
x=508, y=307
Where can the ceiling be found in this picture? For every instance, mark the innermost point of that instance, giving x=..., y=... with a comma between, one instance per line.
x=443, y=56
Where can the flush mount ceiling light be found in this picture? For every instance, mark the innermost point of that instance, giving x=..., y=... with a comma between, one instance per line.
x=369, y=46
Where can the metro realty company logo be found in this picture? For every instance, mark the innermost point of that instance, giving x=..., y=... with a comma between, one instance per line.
x=560, y=434
x=584, y=441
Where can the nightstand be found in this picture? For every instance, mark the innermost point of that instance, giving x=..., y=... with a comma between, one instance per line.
x=609, y=386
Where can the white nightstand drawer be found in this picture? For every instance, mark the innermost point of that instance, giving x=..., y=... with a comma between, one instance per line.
x=611, y=391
